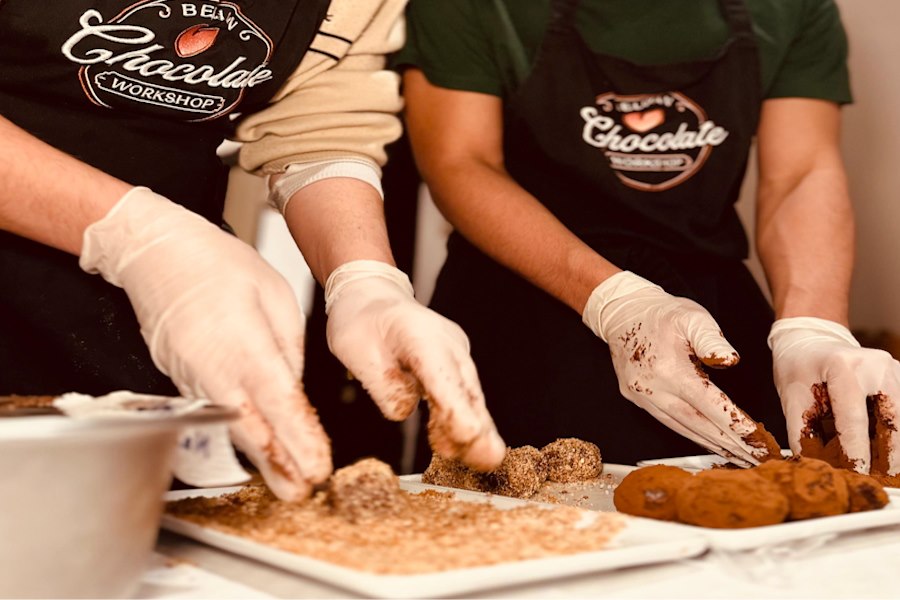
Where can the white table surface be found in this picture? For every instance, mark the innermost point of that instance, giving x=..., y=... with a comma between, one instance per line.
x=859, y=565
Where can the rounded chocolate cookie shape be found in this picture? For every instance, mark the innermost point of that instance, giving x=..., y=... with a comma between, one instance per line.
x=813, y=487
x=651, y=491
x=727, y=499
x=865, y=492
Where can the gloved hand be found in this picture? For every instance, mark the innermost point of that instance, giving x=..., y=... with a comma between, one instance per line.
x=658, y=343
x=222, y=324
x=401, y=352
x=820, y=369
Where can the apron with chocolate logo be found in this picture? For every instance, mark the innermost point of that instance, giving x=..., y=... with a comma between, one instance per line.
x=643, y=163
x=145, y=91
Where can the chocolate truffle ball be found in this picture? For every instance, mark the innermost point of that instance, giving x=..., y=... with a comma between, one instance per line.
x=367, y=489
x=450, y=472
x=569, y=460
x=865, y=492
x=813, y=487
x=520, y=475
x=730, y=499
x=650, y=492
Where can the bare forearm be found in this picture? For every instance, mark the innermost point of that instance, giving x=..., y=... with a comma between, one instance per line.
x=804, y=222
x=457, y=138
x=337, y=220
x=806, y=246
x=47, y=195
x=517, y=231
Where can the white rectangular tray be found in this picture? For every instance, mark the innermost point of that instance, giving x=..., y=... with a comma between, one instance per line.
x=642, y=541
x=701, y=462
x=797, y=532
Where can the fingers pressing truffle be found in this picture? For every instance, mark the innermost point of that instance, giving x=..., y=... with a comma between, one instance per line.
x=367, y=489
x=520, y=475
x=523, y=470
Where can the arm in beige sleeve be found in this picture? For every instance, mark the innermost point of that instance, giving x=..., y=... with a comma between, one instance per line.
x=323, y=138
x=328, y=128
x=458, y=141
x=341, y=103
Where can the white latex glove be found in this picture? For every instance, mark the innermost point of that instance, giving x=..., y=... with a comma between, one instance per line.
x=820, y=369
x=657, y=342
x=402, y=351
x=222, y=324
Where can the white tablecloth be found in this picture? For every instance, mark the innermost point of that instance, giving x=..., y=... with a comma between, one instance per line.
x=859, y=565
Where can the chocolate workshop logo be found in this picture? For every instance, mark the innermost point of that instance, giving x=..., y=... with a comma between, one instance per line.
x=191, y=61
x=653, y=142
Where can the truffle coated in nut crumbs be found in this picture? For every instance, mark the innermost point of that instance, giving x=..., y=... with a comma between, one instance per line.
x=569, y=460
x=367, y=489
x=449, y=472
x=520, y=475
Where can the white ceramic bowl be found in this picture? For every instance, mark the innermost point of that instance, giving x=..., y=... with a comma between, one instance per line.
x=81, y=501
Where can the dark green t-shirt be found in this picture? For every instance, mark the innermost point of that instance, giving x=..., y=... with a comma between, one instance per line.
x=460, y=44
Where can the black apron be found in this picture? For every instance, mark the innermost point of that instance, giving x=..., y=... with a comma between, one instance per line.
x=643, y=163
x=145, y=91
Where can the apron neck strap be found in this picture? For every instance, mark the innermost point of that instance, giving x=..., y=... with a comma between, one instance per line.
x=562, y=15
x=738, y=17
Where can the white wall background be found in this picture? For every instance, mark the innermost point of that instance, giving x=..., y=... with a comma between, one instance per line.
x=872, y=151
x=871, y=148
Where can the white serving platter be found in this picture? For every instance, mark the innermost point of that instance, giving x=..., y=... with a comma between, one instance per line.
x=797, y=533
x=782, y=534
x=599, y=496
x=640, y=542
x=701, y=462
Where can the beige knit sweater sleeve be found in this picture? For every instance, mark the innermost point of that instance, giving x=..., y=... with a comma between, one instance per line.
x=341, y=103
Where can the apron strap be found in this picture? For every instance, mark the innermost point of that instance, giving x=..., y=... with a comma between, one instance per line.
x=738, y=18
x=562, y=17
x=741, y=26
x=512, y=43
x=304, y=24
